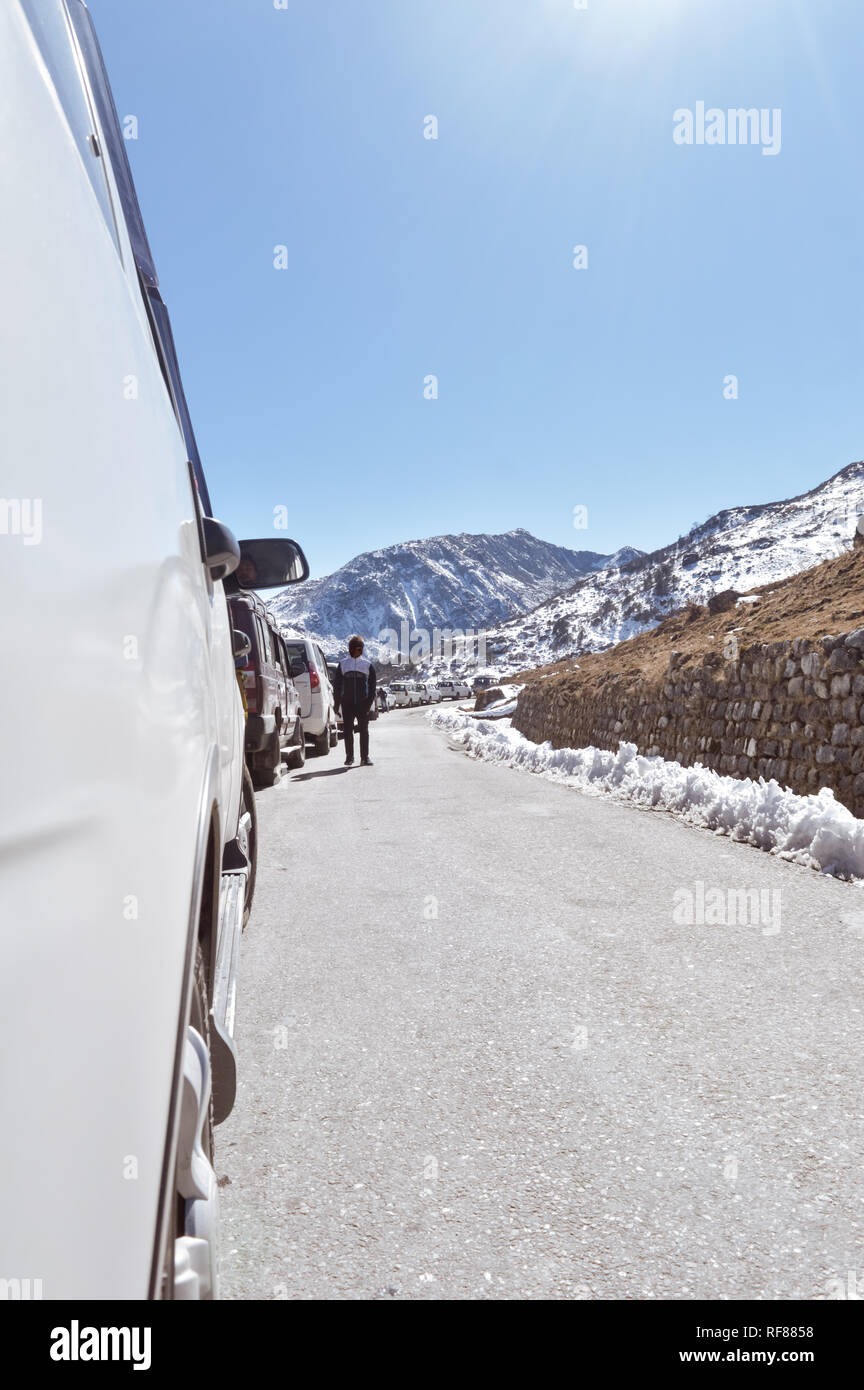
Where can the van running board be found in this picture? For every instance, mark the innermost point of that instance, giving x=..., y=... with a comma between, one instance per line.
x=232, y=898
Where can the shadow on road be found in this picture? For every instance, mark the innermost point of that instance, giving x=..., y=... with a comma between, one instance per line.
x=325, y=772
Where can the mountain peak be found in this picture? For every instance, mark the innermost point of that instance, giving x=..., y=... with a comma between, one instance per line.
x=453, y=581
x=738, y=548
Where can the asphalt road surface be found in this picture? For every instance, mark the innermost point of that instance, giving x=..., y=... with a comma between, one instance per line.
x=481, y=1059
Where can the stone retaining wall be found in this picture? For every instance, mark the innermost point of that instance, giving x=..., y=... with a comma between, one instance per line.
x=793, y=711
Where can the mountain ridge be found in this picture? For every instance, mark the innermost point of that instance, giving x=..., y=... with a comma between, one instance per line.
x=738, y=548
x=458, y=581
x=539, y=603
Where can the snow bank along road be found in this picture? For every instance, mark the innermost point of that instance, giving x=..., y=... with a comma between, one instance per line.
x=491, y=1050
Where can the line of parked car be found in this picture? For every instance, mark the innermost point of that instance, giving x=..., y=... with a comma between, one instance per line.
x=287, y=688
x=287, y=685
x=406, y=694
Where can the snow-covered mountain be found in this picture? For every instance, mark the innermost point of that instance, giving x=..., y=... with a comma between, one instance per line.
x=444, y=582
x=739, y=548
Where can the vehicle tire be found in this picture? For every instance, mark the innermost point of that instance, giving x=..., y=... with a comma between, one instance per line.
x=192, y=1266
x=297, y=750
x=199, y=1019
x=322, y=744
x=268, y=763
x=247, y=835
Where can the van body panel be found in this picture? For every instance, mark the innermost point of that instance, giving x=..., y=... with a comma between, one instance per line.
x=98, y=830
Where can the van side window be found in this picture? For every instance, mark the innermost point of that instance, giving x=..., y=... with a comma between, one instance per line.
x=264, y=639
x=58, y=48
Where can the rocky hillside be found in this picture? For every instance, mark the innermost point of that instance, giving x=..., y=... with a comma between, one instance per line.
x=739, y=548
x=770, y=684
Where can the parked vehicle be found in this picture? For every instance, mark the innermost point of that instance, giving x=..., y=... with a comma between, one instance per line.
x=482, y=682
x=448, y=690
x=402, y=694
x=422, y=692
x=127, y=846
x=435, y=692
x=273, y=718
x=462, y=688
x=317, y=706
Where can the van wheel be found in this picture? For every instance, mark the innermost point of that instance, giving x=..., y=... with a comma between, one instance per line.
x=194, y=1273
x=322, y=744
x=247, y=838
x=297, y=751
x=268, y=764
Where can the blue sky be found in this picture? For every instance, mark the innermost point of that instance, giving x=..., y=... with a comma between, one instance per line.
x=558, y=387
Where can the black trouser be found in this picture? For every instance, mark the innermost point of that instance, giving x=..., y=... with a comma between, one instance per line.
x=361, y=714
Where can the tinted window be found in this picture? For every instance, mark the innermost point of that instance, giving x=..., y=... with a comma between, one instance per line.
x=243, y=619
x=47, y=19
x=265, y=639
x=298, y=649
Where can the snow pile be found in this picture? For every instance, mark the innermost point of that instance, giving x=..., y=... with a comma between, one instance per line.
x=502, y=709
x=812, y=830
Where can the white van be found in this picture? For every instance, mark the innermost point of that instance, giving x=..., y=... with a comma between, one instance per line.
x=314, y=686
x=127, y=844
x=401, y=694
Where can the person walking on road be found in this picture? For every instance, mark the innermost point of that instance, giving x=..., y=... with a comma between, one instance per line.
x=354, y=692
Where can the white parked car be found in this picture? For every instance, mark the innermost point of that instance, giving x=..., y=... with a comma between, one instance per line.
x=402, y=695
x=317, y=706
x=462, y=689
x=436, y=694
x=422, y=692
x=127, y=845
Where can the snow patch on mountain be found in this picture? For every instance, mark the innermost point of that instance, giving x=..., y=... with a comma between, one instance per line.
x=445, y=582
x=739, y=548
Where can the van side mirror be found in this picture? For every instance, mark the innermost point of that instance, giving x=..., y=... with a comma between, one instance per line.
x=271, y=564
x=242, y=646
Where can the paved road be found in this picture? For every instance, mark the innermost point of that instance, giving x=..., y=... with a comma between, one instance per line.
x=549, y=1089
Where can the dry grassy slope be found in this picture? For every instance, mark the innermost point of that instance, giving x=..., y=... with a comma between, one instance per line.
x=829, y=598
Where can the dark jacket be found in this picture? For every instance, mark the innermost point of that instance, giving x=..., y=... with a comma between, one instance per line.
x=355, y=683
